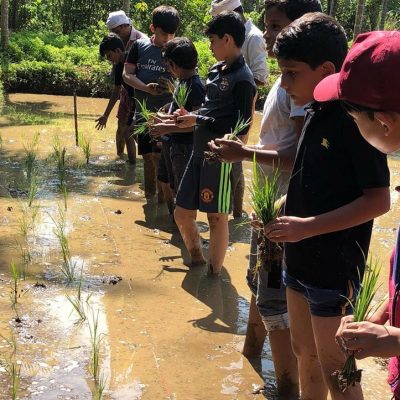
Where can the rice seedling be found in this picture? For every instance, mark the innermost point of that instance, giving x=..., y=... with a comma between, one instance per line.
x=31, y=156
x=212, y=157
x=100, y=387
x=181, y=95
x=145, y=118
x=265, y=193
x=33, y=189
x=59, y=153
x=85, y=145
x=96, y=339
x=68, y=267
x=77, y=302
x=12, y=368
x=362, y=307
x=26, y=258
x=15, y=293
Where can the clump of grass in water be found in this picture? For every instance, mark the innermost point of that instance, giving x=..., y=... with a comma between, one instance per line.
x=12, y=368
x=181, y=94
x=31, y=156
x=146, y=115
x=59, y=154
x=15, y=292
x=68, y=266
x=86, y=147
x=265, y=193
x=240, y=125
x=96, y=341
x=100, y=387
x=362, y=308
x=77, y=302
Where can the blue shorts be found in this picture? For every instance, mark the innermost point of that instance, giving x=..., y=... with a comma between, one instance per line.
x=325, y=302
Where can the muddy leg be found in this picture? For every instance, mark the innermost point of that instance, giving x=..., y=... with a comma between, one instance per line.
x=150, y=176
x=130, y=146
x=255, y=334
x=312, y=384
x=219, y=236
x=120, y=135
x=186, y=221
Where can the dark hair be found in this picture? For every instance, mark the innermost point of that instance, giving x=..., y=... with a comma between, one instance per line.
x=352, y=107
x=294, y=9
x=239, y=10
x=110, y=43
x=314, y=38
x=166, y=18
x=229, y=23
x=182, y=52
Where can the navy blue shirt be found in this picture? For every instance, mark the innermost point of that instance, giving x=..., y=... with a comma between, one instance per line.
x=194, y=101
x=333, y=166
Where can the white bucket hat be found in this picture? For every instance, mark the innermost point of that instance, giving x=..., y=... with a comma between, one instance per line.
x=117, y=18
x=218, y=6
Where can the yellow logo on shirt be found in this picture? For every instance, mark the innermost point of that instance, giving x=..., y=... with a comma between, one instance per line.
x=325, y=143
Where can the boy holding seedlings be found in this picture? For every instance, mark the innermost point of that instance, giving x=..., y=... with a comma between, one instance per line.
x=146, y=71
x=230, y=93
x=181, y=57
x=280, y=128
x=376, y=111
x=339, y=184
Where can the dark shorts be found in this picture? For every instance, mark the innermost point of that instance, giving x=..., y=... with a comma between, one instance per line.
x=165, y=166
x=267, y=287
x=146, y=145
x=206, y=187
x=180, y=155
x=325, y=302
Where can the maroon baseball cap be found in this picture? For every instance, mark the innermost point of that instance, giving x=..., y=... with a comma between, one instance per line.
x=370, y=75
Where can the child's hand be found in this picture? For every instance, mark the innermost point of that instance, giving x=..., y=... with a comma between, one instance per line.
x=179, y=112
x=186, y=121
x=228, y=150
x=288, y=229
x=366, y=339
x=153, y=89
x=161, y=129
x=101, y=122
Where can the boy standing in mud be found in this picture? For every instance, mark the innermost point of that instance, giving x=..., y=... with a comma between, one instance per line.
x=143, y=69
x=230, y=92
x=181, y=57
x=339, y=184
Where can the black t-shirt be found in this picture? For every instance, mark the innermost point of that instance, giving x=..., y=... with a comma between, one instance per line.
x=195, y=99
x=229, y=96
x=334, y=164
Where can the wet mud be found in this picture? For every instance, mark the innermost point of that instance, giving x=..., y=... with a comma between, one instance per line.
x=165, y=330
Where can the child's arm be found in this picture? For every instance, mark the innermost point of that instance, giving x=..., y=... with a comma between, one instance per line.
x=367, y=339
x=102, y=120
x=381, y=315
x=130, y=78
x=371, y=204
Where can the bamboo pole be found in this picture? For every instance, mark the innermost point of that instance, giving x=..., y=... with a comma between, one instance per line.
x=76, y=119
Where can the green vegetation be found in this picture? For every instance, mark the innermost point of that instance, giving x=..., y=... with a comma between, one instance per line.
x=181, y=95
x=12, y=368
x=96, y=342
x=145, y=119
x=84, y=144
x=239, y=126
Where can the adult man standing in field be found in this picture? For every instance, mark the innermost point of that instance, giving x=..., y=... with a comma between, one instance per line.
x=121, y=25
x=255, y=54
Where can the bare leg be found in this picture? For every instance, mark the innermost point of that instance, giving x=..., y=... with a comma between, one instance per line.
x=186, y=221
x=150, y=176
x=168, y=195
x=120, y=135
x=331, y=357
x=312, y=383
x=219, y=236
x=255, y=334
x=130, y=146
x=285, y=364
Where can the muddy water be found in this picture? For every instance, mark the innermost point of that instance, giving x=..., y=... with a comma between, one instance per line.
x=166, y=331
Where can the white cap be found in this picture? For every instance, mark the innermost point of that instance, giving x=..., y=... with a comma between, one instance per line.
x=117, y=18
x=218, y=6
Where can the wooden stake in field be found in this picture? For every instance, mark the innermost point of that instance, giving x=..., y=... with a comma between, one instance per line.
x=76, y=120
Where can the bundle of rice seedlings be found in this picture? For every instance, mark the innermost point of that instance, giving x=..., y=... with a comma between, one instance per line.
x=240, y=125
x=362, y=307
x=85, y=145
x=96, y=342
x=265, y=193
x=145, y=116
x=181, y=95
